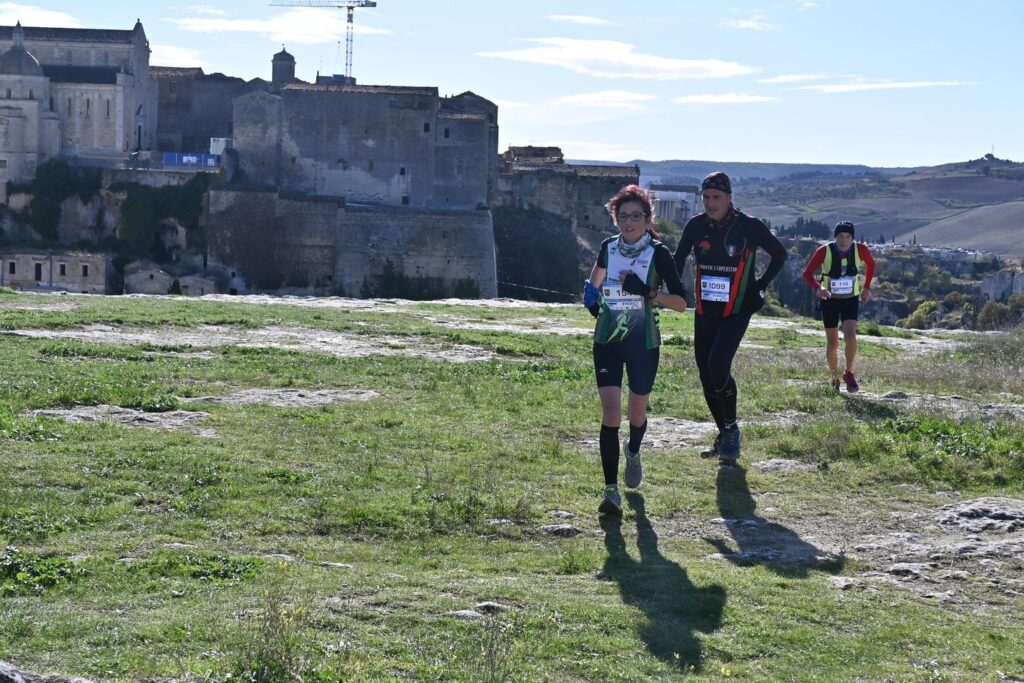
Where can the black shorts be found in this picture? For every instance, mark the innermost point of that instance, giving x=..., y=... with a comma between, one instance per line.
x=641, y=365
x=834, y=310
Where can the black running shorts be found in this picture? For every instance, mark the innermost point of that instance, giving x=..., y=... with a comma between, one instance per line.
x=834, y=310
x=641, y=365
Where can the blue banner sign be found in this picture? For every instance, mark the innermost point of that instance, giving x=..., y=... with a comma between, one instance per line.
x=191, y=160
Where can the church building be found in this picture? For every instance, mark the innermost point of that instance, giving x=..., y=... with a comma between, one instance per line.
x=74, y=93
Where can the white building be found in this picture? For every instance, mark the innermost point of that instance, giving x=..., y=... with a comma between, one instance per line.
x=74, y=93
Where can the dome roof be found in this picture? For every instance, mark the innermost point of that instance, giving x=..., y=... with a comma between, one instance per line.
x=283, y=56
x=19, y=62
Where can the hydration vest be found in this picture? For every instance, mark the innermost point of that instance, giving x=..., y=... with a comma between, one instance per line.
x=839, y=275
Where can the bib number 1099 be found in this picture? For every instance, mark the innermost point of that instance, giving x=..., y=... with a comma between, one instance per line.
x=714, y=288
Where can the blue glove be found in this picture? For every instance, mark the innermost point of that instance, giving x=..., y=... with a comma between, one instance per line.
x=591, y=298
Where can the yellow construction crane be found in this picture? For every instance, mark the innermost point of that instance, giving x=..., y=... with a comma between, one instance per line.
x=349, y=5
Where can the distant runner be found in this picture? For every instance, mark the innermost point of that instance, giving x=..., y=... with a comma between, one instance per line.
x=845, y=282
x=724, y=243
x=624, y=294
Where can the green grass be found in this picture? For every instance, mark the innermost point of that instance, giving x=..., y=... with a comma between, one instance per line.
x=332, y=542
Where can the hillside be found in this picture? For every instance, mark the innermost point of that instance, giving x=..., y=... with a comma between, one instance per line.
x=975, y=204
x=325, y=489
x=691, y=171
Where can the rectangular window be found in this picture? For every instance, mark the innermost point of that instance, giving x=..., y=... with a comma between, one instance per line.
x=85, y=270
x=405, y=199
x=401, y=171
x=39, y=272
x=447, y=133
x=69, y=105
x=108, y=109
x=8, y=93
x=31, y=94
x=426, y=127
x=12, y=268
x=63, y=269
x=87, y=103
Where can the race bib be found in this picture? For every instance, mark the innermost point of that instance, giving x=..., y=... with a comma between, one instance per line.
x=841, y=285
x=714, y=287
x=618, y=300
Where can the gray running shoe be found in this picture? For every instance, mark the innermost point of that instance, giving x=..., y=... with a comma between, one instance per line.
x=634, y=468
x=612, y=503
x=713, y=451
x=729, y=448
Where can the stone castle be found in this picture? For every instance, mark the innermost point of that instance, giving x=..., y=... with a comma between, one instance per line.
x=331, y=184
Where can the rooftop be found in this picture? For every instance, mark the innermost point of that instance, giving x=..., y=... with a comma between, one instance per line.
x=79, y=35
x=360, y=89
x=65, y=73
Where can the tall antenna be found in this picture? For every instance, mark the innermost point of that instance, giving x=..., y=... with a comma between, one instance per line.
x=350, y=7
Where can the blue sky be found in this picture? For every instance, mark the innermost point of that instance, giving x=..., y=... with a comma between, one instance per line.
x=878, y=82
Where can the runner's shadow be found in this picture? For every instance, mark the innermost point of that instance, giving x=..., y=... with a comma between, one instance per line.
x=675, y=608
x=760, y=541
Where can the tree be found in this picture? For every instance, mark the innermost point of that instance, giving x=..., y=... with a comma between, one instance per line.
x=994, y=316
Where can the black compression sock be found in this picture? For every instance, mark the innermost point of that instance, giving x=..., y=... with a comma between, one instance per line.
x=715, y=406
x=636, y=436
x=729, y=402
x=610, y=454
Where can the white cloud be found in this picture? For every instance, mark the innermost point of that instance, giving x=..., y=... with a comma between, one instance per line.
x=793, y=78
x=170, y=55
x=606, y=99
x=614, y=59
x=511, y=104
x=723, y=98
x=206, y=9
x=862, y=86
x=31, y=15
x=302, y=25
x=578, y=19
x=754, y=23
x=574, y=110
x=809, y=6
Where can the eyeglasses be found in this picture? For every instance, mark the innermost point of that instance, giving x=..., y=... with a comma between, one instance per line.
x=635, y=216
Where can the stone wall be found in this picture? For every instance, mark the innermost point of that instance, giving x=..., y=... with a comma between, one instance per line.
x=195, y=107
x=319, y=245
x=1002, y=285
x=446, y=245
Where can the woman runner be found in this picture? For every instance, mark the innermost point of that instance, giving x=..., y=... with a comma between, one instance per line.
x=624, y=293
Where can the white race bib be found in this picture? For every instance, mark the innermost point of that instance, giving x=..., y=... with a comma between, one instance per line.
x=618, y=300
x=714, y=287
x=841, y=285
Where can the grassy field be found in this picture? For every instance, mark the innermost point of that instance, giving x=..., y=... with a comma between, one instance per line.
x=284, y=539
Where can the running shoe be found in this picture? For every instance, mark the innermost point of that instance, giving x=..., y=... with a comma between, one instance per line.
x=851, y=382
x=729, y=448
x=634, y=468
x=713, y=451
x=835, y=384
x=612, y=503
